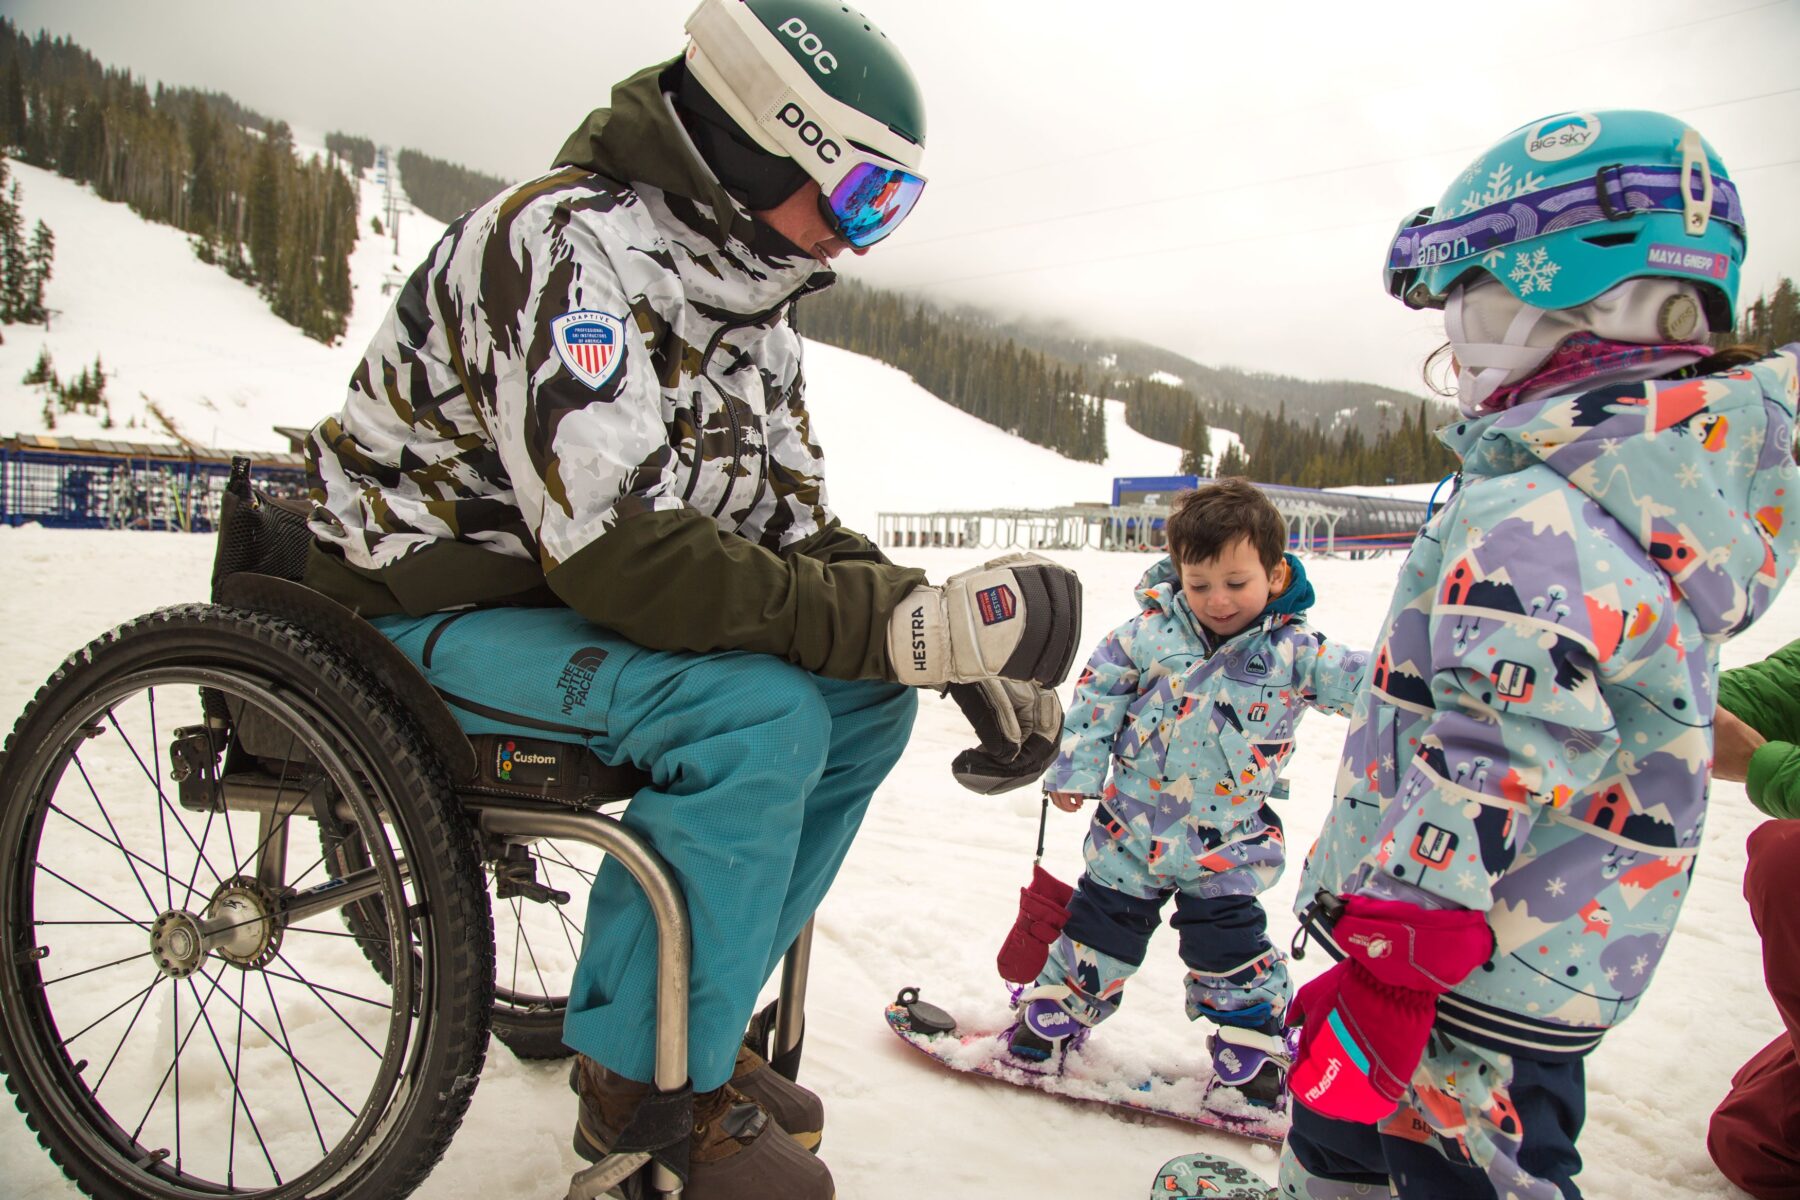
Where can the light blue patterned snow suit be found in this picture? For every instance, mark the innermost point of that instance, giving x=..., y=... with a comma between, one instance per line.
x=1195, y=731
x=1537, y=734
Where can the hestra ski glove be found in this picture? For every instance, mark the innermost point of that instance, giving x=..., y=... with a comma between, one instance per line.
x=1364, y=1022
x=1015, y=617
x=1018, y=725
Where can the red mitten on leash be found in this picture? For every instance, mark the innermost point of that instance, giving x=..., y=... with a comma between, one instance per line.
x=1043, y=909
x=1364, y=1022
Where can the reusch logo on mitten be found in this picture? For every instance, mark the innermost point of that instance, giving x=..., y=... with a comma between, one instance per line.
x=1374, y=945
x=996, y=604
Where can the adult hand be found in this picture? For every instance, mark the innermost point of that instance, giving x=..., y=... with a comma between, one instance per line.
x=1018, y=725
x=1733, y=744
x=1015, y=617
x=1364, y=1022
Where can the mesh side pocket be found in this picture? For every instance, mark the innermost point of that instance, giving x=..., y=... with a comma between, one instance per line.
x=259, y=533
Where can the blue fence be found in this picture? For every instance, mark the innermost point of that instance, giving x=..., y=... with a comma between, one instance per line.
x=88, y=489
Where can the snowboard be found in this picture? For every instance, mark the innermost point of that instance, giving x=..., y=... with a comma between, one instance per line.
x=1208, y=1177
x=1082, y=1075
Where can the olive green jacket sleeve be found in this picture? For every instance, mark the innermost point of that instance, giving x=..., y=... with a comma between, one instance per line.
x=1766, y=697
x=674, y=580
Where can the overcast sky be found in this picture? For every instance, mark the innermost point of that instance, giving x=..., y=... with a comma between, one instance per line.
x=1218, y=179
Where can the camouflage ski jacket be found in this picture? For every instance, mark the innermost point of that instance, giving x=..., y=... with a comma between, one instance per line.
x=1537, y=733
x=590, y=393
x=1196, y=729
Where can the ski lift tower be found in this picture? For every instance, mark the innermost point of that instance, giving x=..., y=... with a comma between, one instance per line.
x=385, y=170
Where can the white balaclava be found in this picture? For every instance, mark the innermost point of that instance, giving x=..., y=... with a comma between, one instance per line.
x=1499, y=339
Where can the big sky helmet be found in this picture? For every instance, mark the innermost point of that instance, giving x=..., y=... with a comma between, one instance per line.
x=817, y=82
x=1567, y=207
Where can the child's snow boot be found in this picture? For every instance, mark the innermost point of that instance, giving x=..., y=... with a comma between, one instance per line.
x=1045, y=1030
x=1252, y=1062
x=735, y=1152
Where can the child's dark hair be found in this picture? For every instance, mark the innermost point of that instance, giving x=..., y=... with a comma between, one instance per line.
x=1210, y=518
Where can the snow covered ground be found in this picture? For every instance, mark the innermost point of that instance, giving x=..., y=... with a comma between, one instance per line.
x=929, y=890
x=930, y=886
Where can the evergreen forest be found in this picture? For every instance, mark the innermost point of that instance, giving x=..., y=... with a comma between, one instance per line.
x=198, y=161
x=443, y=190
x=1042, y=399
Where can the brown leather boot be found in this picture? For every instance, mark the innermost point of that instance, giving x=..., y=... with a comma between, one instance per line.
x=730, y=1158
x=800, y=1113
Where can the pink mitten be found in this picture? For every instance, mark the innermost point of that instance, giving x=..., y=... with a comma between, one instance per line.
x=1043, y=909
x=1364, y=1022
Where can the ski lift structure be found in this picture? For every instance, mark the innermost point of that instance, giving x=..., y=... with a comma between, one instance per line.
x=1319, y=522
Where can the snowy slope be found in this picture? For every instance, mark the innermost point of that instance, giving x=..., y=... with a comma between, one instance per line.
x=929, y=889
x=208, y=352
x=178, y=332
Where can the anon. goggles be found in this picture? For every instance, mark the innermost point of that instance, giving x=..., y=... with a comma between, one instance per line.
x=1423, y=249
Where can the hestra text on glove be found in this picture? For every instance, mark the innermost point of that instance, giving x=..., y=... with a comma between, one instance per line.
x=1016, y=617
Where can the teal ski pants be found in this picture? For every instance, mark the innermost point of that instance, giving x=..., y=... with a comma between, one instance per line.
x=761, y=773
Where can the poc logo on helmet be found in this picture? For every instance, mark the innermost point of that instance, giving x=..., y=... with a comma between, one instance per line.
x=810, y=45
x=795, y=118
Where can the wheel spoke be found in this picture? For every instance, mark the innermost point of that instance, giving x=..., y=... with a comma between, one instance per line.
x=314, y=989
x=284, y=1043
x=543, y=988
x=237, y=1092
x=145, y=992
x=129, y=855
x=116, y=839
x=281, y=818
x=154, y=984
x=548, y=846
x=50, y=983
x=381, y=1004
x=287, y=1049
x=163, y=808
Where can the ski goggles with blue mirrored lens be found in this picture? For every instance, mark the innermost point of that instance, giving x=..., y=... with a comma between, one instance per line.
x=871, y=199
x=1615, y=193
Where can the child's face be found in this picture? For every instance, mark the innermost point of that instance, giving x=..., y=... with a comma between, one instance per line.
x=1230, y=591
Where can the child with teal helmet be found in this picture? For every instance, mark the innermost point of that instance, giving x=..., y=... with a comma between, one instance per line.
x=1523, y=787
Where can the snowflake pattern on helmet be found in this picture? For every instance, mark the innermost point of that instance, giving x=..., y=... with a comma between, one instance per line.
x=1501, y=186
x=1533, y=271
x=1536, y=736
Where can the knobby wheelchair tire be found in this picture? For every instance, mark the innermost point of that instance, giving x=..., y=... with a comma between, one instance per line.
x=182, y=1013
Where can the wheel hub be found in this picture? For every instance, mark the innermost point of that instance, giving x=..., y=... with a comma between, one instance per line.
x=239, y=924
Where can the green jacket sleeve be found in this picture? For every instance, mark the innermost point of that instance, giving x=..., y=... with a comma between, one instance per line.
x=674, y=580
x=1766, y=697
x=1774, y=779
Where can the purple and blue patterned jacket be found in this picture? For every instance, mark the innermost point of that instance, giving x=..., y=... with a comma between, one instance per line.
x=1536, y=739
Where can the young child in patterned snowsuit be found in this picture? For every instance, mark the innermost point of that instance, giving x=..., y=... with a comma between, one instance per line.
x=1523, y=788
x=1195, y=701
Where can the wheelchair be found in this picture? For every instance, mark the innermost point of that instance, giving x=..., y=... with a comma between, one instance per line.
x=263, y=900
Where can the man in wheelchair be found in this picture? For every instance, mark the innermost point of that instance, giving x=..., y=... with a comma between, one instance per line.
x=574, y=481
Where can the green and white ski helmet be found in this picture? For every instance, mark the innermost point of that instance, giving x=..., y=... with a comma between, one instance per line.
x=818, y=82
x=1565, y=208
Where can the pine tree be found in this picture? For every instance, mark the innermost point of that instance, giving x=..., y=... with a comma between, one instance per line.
x=14, y=263
x=1784, y=314
x=265, y=214
x=1195, y=445
x=12, y=102
x=1232, y=462
x=39, y=258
